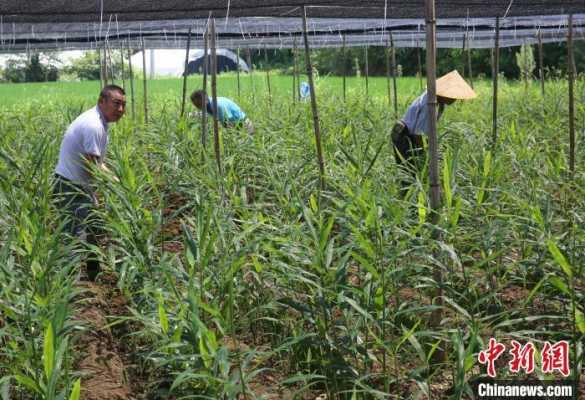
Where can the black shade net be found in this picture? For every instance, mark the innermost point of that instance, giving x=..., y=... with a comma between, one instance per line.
x=67, y=24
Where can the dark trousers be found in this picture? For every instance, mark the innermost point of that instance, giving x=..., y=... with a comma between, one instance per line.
x=76, y=204
x=408, y=150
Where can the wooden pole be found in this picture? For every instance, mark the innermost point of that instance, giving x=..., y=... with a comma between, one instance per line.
x=131, y=77
x=495, y=72
x=463, y=45
x=251, y=74
x=388, y=72
x=144, y=80
x=267, y=76
x=394, y=73
x=205, y=71
x=185, y=73
x=541, y=62
x=101, y=59
x=526, y=72
x=122, y=71
x=314, y=109
x=344, y=63
x=214, y=97
x=469, y=70
x=109, y=58
x=105, y=63
x=419, y=58
x=437, y=314
x=571, y=75
x=366, y=72
x=238, y=73
x=295, y=79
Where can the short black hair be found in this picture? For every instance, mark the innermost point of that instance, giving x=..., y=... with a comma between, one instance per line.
x=199, y=95
x=106, y=90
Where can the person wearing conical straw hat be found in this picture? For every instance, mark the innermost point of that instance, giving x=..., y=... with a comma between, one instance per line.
x=407, y=133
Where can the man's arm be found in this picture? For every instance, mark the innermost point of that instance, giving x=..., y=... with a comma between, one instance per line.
x=92, y=159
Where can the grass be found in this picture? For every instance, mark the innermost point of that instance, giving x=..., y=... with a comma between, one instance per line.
x=84, y=91
x=252, y=277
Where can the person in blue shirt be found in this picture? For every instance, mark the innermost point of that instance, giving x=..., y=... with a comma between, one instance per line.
x=229, y=114
x=407, y=134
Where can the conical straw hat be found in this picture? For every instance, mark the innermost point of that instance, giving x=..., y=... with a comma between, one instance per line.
x=453, y=86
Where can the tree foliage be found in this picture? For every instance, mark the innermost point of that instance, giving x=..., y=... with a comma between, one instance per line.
x=86, y=67
x=525, y=62
x=22, y=69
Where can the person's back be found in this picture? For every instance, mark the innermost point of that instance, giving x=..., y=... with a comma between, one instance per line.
x=416, y=116
x=228, y=112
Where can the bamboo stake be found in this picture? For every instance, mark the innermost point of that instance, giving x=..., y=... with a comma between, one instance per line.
x=463, y=45
x=313, y=102
x=526, y=72
x=571, y=75
x=109, y=58
x=267, y=75
x=238, y=73
x=99, y=51
x=366, y=72
x=388, y=72
x=469, y=70
x=205, y=70
x=144, y=81
x=431, y=22
x=251, y=74
x=344, y=61
x=419, y=58
x=185, y=73
x=295, y=72
x=131, y=77
x=105, y=59
x=214, y=97
x=123, y=72
x=541, y=62
x=394, y=73
x=495, y=72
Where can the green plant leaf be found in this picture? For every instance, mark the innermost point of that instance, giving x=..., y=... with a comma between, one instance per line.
x=162, y=315
x=559, y=258
x=49, y=351
x=76, y=390
x=580, y=320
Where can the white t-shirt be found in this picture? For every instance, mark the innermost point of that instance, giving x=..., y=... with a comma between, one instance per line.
x=87, y=135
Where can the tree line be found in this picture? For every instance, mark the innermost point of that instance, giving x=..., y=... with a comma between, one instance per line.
x=349, y=61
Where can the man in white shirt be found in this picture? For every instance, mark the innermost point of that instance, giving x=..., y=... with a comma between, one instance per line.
x=407, y=133
x=83, y=149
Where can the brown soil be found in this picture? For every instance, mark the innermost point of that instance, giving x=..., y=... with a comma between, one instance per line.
x=99, y=359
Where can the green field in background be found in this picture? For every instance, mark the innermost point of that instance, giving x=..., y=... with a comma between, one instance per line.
x=250, y=85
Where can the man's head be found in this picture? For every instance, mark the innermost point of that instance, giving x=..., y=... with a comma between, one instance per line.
x=199, y=98
x=445, y=100
x=112, y=102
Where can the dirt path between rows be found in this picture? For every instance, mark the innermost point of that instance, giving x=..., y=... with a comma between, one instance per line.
x=99, y=353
